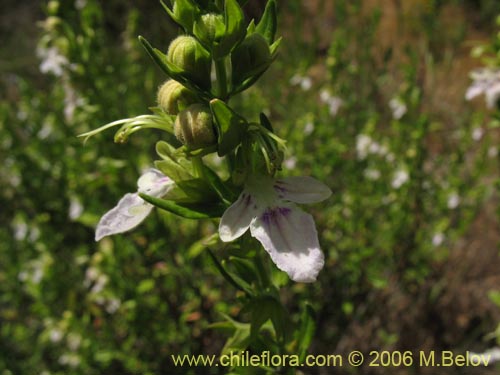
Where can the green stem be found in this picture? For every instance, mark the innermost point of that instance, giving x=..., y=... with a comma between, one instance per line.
x=220, y=71
x=198, y=166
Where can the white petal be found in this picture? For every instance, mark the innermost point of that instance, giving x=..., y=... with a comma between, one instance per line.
x=289, y=236
x=302, y=189
x=154, y=183
x=474, y=90
x=129, y=213
x=492, y=95
x=236, y=219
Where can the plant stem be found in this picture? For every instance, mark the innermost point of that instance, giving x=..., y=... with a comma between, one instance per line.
x=220, y=71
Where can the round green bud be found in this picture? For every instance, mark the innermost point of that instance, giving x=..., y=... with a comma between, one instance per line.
x=174, y=97
x=194, y=127
x=187, y=54
x=250, y=58
x=206, y=27
x=53, y=7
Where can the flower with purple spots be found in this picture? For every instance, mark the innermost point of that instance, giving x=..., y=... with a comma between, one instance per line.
x=287, y=233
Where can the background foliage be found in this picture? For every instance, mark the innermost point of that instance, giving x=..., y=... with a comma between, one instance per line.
x=410, y=233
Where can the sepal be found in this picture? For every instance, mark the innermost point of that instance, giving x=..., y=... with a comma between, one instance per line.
x=174, y=72
x=186, y=210
x=230, y=127
x=268, y=23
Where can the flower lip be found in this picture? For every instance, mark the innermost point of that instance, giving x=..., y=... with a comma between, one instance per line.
x=286, y=232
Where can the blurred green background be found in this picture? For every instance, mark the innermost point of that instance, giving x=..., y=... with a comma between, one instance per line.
x=369, y=95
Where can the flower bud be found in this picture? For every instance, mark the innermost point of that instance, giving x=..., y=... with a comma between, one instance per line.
x=174, y=97
x=250, y=58
x=209, y=27
x=194, y=127
x=191, y=59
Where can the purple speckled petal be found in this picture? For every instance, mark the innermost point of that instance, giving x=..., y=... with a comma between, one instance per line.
x=289, y=236
x=236, y=219
x=302, y=189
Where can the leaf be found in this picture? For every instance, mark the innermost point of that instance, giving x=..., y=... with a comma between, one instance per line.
x=268, y=23
x=245, y=268
x=229, y=276
x=145, y=286
x=172, y=71
x=230, y=127
x=225, y=194
x=235, y=31
x=306, y=331
x=173, y=170
x=187, y=210
x=184, y=13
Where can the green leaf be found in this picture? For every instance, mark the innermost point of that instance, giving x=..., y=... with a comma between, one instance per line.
x=264, y=121
x=245, y=268
x=266, y=308
x=187, y=210
x=173, y=170
x=145, y=286
x=235, y=31
x=274, y=47
x=306, y=330
x=196, y=248
x=172, y=71
x=184, y=13
x=230, y=127
x=233, y=279
x=224, y=193
x=268, y=23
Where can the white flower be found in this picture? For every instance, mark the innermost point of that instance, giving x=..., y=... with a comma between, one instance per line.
x=453, y=201
x=398, y=108
x=334, y=102
x=56, y=335
x=438, y=239
x=52, y=61
x=290, y=162
x=132, y=209
x=286, y=232
x=305, y=83
x=363, y=143
x=400, y=178
x=75, y=208
x=477, y=134
x=80, y=4
x=492, y=152
x=372, y=174
x=309, y=128
x=485, y=81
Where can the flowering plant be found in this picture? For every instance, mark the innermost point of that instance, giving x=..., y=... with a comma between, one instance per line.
x=194, y=113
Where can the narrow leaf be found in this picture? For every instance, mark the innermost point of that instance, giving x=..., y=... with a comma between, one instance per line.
x=230, y=127
x=268, y=23
x=189, y=211
x=240, y=284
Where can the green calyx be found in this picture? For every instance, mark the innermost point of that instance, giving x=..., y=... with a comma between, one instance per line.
x=252, y=57
x=189, y=56
x=174, y=97
x=208, y=28
x=194, y=127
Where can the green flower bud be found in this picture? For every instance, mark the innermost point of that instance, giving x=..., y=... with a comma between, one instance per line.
x=209, y=28
x=250, y=58
x=174, y=97
x=191, y=59
x=194, y=127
